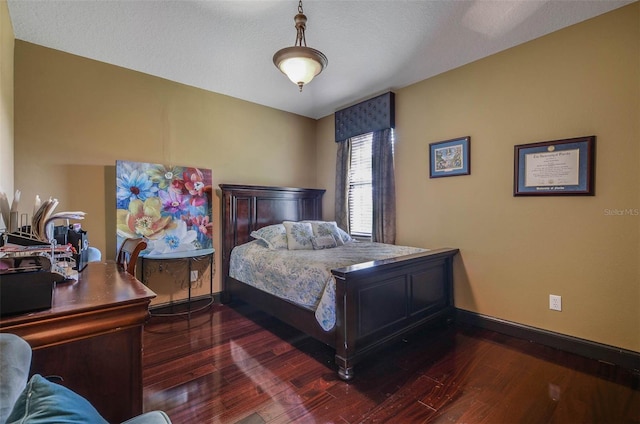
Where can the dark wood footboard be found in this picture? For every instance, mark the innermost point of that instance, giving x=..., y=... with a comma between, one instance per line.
x=378, y=302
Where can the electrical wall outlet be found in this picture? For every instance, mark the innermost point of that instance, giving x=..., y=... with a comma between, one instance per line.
x=555, y=302
x=194, y=276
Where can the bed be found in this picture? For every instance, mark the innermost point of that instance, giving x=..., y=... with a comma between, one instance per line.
x=377, y=302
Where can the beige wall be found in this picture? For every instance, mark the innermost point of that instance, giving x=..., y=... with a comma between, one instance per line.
x=75, y=117
x=6, y=103
x=580, y=81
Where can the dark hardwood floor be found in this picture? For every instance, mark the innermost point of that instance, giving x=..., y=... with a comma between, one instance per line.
x=238, y=365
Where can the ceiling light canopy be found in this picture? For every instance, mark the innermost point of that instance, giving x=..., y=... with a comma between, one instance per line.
x=300, y=63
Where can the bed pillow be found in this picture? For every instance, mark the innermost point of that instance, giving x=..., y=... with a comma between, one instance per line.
x=323, y=242
x=299, y=235
x=274, y=236
x=45, y=402
x=346, y=237
x=323, y=228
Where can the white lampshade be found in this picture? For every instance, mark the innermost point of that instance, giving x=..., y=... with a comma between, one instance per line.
x=300, y=64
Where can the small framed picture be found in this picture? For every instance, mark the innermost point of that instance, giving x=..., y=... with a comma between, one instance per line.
x=450, y=157
x=555, y=168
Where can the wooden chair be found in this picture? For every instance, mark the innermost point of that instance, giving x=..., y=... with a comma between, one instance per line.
x=128, y=254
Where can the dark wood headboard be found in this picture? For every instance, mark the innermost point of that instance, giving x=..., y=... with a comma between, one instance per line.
x=247, y=208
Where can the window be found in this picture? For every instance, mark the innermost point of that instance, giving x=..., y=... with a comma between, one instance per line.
x=360, y=186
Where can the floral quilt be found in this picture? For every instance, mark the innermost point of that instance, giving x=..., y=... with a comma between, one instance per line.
x=304, y=276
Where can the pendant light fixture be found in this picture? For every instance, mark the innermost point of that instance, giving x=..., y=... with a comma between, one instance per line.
x=300, y=63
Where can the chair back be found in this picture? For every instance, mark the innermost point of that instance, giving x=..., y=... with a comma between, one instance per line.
x=128, y=254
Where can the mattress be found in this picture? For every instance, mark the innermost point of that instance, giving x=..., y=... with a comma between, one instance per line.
x=304, y=276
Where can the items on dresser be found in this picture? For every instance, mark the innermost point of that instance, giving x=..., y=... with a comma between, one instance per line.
x=77, y=237
x=28, y=275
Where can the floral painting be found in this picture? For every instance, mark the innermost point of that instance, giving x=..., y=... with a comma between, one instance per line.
x=167, y=205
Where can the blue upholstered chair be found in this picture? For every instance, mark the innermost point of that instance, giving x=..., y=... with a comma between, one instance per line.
x=37, y=400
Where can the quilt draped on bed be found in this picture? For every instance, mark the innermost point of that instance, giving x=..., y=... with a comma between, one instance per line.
x=304, y=276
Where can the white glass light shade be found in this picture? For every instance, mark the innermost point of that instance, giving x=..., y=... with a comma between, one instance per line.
x=300, y=69
x=300, y=64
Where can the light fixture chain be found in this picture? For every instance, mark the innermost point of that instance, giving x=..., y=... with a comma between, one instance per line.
x=301, y=21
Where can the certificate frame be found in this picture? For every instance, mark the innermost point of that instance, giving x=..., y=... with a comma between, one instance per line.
x=555, y=168
x=459, y=162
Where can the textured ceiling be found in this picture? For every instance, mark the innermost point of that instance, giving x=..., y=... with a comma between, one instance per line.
x=227, y=46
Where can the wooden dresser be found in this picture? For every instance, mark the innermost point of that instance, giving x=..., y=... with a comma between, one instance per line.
x=92, y=338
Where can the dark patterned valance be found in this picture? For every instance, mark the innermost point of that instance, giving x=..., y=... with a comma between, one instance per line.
x=365, y=117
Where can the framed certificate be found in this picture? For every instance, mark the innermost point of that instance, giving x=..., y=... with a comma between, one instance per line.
x=555, y=168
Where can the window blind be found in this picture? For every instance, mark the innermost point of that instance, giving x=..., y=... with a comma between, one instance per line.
x=360, y=186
